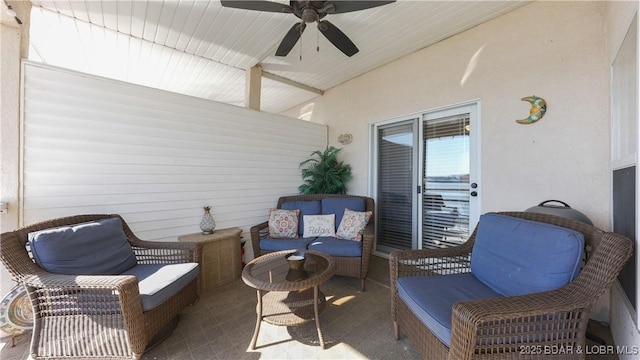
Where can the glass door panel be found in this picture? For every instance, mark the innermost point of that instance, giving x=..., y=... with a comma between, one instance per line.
x=445, y=181
x=396, y=184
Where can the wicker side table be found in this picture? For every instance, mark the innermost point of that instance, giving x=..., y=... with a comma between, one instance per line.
x=286, y=296
x=221, y=262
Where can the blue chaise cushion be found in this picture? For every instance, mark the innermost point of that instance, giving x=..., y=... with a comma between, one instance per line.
x=515, y=256
x=336, y=205
x=306, y=207
x=431, y=298
x=336, y=247
x=93, y=248
x=158, y=282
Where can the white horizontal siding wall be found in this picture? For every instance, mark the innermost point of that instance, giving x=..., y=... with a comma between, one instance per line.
x=93, y=145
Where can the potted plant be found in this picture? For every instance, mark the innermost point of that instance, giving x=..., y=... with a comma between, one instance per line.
x=324, y=174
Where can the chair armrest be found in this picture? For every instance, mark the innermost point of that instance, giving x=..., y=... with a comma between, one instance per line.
x=161, y=252
x=257, y=233
x=15, y=258
x=368, y=239
x=103, y=289
x=557, y=317
x=426, y=262
x=46, y=279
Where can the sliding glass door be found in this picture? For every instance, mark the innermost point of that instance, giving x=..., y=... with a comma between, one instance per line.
x=425, y=179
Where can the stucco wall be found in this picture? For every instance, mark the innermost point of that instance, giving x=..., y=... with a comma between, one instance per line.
x=12, y=38
x=14, y=44
x=9, y=110
x=561, y=51
x=554, y=50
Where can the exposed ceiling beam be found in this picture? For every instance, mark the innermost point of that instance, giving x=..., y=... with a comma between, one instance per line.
x=292, y=83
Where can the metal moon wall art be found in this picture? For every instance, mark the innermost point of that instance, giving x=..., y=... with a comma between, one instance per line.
x=538, y=108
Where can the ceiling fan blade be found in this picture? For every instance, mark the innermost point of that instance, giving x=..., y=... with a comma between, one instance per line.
x=269, y=6
x=340, y=7
x=337, y=38
x=290, y=39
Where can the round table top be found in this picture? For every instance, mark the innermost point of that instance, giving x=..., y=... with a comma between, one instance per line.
x=271, y=272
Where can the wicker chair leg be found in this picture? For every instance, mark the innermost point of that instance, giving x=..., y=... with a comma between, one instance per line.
x=362, y=284
x=395, y=330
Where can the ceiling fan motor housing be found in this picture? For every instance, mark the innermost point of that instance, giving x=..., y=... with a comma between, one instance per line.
x=310, y=11
x=309, y=15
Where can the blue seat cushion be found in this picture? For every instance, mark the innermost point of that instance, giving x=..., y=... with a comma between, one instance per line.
x=306, y=207
x=431, y=298
x=336, y=205
x=336, y=247
x=158, y=282
x=515, y=256
x=269, y=244
x=92, y=248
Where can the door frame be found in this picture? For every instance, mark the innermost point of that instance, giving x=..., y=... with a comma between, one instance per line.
x=473, y=107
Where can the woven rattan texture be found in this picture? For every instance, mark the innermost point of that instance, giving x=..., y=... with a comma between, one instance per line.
x=96, y=316
x=502, y=328
x=357, y=267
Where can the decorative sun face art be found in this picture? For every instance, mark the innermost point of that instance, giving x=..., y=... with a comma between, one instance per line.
x=16, y=316
x=538, y=108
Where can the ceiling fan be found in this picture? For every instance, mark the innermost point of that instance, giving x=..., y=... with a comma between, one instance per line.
x=308, y=12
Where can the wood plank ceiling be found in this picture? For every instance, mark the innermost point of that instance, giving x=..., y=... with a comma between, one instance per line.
x=199, y=48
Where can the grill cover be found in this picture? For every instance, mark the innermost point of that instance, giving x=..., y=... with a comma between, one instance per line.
x=563, y=210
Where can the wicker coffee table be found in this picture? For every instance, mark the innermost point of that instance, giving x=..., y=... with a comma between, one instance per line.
x=285, y=296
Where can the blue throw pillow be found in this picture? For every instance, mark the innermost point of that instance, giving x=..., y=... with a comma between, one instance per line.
x=93, y=248
x=514, y=256
x=308, y=207
x=336, y=205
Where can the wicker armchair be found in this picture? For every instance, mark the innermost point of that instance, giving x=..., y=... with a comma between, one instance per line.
x=96, y=316
x=357, y=267
x=507, y=327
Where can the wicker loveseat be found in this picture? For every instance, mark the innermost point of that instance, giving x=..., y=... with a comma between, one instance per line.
x=351, y=257
x=450, y=308
x=125, y=294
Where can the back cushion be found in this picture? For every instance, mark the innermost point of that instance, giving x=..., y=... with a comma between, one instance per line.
x=310, y=207
x=93, y=248
x=513, y=256
x=336, y=205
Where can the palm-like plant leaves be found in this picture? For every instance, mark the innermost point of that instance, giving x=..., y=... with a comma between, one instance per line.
x=324, y=174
